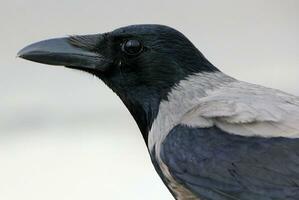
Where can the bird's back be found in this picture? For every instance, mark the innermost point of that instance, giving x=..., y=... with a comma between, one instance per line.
x=233, y=140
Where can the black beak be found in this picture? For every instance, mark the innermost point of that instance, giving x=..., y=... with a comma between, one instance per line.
x=60, y=51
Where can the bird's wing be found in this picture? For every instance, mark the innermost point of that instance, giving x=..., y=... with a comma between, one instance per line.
x=239, y=142
x=215, y=165
x=245, y=109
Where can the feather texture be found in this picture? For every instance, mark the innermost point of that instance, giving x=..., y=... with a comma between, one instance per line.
x=210, y=132
x=247, y=109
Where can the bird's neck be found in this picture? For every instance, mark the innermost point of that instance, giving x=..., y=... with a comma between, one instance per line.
x=143, y=105
x=148, y=105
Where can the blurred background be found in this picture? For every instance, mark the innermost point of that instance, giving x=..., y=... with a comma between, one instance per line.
x=65, y=136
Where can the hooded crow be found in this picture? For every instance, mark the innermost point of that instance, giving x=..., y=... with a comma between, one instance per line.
x=210, y=136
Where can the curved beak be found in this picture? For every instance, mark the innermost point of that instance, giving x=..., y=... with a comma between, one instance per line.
x=60, y=51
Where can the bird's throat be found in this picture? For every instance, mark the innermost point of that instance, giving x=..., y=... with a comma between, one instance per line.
x=143, y=108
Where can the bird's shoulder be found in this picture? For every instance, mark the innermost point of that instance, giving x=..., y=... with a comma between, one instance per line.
x=246, y=109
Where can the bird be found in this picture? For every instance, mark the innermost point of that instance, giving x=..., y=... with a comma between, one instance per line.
x=209, y=136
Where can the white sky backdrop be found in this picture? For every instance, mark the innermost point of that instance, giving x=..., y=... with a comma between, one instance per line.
x=64, y=135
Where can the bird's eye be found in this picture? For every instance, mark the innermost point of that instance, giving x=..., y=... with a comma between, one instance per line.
x=132, y=47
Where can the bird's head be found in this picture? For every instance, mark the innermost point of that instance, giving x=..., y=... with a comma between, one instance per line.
x=141, y=63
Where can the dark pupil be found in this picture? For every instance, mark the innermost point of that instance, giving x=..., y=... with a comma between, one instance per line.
x=132, y=47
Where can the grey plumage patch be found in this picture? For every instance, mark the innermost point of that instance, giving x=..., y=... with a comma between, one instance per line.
x=215, y=99
x=246, y=109
x=182, y=98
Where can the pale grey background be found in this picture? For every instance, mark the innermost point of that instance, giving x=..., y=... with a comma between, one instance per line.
x=64, y=135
